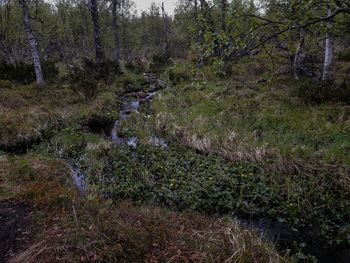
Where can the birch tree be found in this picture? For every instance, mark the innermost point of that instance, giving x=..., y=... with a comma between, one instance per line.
x=32, y=43
x=328, y=55
x=116, y=53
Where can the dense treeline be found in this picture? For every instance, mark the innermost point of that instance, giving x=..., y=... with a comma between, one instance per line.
x=297, y=37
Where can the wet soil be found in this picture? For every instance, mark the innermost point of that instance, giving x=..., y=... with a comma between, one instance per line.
x=16, y=228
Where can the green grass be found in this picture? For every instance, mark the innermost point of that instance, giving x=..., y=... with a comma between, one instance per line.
x=181, y=179
x=28, y=114
x=243, y=118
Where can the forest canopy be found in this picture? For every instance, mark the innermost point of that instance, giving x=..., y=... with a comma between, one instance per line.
x=299, y=37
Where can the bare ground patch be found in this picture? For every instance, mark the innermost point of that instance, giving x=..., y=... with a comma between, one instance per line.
x=16, y=228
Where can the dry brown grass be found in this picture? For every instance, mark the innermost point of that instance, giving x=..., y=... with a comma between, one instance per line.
x=132, y=234
x=94, y=230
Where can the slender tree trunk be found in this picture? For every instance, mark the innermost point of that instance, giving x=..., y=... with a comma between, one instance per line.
x=223, y=14
x=84, y=41
x=328, y=58
x=297, y=58
x=195, y=9
x=32, y=42
x=115, y=31
x=97, y=33
x=164, y=36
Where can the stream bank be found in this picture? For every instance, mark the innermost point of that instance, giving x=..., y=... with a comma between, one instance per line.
x=303, y=241
x=122, y=164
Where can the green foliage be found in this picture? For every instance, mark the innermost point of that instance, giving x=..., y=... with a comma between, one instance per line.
x=248, y=121
x=21, y=73
x=5, y=84
x=131, y=82
x=180, y=73
x=84, y=80
x=180, y=178
x=137, y=66
x=84, y=85
x=345, y=55
x=159, y=63
x=317, y=92
x=222, y=68
x=50, y=70
x=24, y=73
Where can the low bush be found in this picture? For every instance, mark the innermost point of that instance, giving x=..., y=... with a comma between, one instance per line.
x=131, y=82
x=137, y=66
x=50, y=70
x=21, y=73
x=180, y=73
x=24, y=73
x=84, y=84
x=316, y=92
x=159, y=62
x=5, y=84
x=345, y=55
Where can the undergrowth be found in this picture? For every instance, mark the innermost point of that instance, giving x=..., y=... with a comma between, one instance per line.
x=94, y=230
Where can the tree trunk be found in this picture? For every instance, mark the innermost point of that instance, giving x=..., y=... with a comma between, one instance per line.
x=195, y=9
x=97, y=33
x=328, y=58
x=115, y=31
x=297, y=58
x=164, y=36
x=32, y=42
x=223, y=14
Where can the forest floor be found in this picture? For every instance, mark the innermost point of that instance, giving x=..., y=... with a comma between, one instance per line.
x=16, y=228
x=233, y=148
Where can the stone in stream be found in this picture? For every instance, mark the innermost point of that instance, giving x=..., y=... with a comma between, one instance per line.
x=141, y=95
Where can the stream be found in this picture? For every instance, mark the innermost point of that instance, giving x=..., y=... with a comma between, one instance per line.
x=270, y=229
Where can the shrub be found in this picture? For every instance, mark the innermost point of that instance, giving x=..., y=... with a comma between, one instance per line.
x=84, y=80
x=108, y=69
x=132, y=82
x=137, y=66
x=312, y=91
x=345, y=55
x=222, y=68
x=5, y=84
x=84, y=85
x=21, y=73
x=179, y=73
x=158, y=63
x=24, y=73
x=50, y=70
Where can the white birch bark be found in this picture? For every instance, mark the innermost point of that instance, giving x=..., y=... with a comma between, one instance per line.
x=328, y=58
x=32, y=43
x=297, y=58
